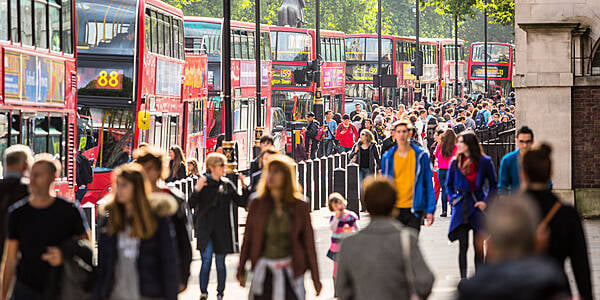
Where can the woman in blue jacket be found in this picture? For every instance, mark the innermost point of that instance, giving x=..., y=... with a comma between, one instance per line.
x=137, y=258
x=471, y=184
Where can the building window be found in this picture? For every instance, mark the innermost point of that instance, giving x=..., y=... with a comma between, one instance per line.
x=596, y=61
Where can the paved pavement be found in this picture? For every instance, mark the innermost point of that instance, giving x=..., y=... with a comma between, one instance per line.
x=441, y=256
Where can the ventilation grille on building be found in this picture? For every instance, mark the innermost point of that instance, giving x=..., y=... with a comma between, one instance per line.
x=70, y=157
x=74, y=80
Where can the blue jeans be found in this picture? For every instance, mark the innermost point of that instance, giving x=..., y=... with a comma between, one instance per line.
x=207, y=256
x=328, y=145
x=362, y=174
x=345, y=149
x=442, y=174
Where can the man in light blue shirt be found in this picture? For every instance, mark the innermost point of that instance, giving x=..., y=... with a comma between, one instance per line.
x=508, y=179
x=331, y=127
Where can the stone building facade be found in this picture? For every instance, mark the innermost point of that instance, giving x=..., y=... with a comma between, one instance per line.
x=557, y=83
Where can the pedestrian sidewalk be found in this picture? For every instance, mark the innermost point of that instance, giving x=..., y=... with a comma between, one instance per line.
x=440, y=254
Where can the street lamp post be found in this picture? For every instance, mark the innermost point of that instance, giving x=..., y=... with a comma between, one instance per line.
x=485, y=48
x=257, y=36
x=456, y=91
x=318, y=106
x=379, y=52
x=418, y=55
x=228, y=143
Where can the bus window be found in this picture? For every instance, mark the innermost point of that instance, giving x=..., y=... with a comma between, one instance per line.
x=106, y=28
x=354, y=49
x=292, y=46
x=4, y=129
x=57, y=136
x=496, y=53
x=295, y=105
x=40, y=138
x=113, y=136
x=214, y=116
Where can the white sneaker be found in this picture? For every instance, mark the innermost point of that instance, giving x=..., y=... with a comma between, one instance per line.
x=204, y=297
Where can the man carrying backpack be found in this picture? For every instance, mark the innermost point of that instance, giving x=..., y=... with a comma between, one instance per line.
x=85, y=176
x=313, y=135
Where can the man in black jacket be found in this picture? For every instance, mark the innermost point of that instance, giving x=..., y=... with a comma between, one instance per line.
x=151, y=160
x=312, y=129
x=13, y=186
x=266, y=141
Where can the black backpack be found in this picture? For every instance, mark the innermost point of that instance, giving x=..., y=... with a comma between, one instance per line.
x=85, y=174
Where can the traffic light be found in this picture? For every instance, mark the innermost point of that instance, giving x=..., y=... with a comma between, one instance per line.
x=419, y=63
x=309, y=74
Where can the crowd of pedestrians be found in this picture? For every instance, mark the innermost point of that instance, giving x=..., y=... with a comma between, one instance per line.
x=408, y=158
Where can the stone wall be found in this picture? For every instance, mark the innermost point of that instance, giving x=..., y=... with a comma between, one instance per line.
x=586, y=137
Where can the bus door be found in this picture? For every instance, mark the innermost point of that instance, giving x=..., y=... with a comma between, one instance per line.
x=251, y=127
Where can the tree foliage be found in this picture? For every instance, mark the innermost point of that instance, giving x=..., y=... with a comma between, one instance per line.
x=398, y=16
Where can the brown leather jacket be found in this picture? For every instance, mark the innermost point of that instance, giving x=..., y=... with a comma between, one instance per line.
x=302, y=246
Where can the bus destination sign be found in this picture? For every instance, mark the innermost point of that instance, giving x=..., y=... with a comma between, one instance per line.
x=493, y=71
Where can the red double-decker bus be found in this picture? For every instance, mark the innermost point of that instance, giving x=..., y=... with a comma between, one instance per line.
x=292, y=49
x=195, y=95
x=130, y=66
x=499, y=70
x=38, y=97
x=447, y=63
x=362, y=66
x=203, y=35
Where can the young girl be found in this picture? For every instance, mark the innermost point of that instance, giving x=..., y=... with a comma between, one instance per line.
x=343, y=222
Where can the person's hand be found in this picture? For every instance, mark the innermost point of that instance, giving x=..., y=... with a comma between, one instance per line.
x=429, y=219
x=53, y=256
x=318, y=287
x=201, y=183
x=181, y=287
x=240, y=278
x=481, y=205
x=339, y=213
x=242, y=179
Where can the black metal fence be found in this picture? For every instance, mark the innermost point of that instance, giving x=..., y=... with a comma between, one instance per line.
x=497, y=141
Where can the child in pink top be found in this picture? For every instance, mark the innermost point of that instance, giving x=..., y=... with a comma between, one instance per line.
x=342, y=223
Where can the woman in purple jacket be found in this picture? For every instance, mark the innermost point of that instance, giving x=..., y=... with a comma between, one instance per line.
x=471, y=183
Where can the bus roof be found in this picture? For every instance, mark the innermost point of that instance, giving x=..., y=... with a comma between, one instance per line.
x=369, y=35
x=306, y=30
x=445, y=41
x=164, y=6
x=234, y=23
x=493, y=43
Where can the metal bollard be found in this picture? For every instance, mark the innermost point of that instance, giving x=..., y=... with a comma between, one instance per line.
x=324, y=180
x=336, y=161
x=343, y=160
x=339, y=181
x=308, y=183
x=330, y=168
x=352, y=188
x=316, y=179
x=301, y=167
x=89, y=210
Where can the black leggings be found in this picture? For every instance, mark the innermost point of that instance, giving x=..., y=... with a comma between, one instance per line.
x=462, y=232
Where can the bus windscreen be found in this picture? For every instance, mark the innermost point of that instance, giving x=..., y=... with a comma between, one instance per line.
x=106, y=27
x=496, y=53
x=365, y=49
x=291, y=46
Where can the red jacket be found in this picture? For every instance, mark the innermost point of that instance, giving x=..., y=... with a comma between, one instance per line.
x=346, y=135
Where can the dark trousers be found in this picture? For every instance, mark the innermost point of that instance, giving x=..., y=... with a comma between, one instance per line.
x=462, y=233
x=442, y=175
x=406, y=217
x=314, y=146
x=24, y=292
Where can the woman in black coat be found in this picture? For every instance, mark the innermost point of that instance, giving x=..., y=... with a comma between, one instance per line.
x=177, y=166
x=366, y=155
x=212, y=203
x=567, y=239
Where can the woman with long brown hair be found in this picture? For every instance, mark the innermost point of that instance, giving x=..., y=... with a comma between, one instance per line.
x=177, y=167
x=444, y=152
x=279, y=239
x=137, y=258
x=471, y=183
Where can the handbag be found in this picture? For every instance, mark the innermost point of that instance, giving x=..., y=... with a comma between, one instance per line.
x=78, y=270
x=405, y=238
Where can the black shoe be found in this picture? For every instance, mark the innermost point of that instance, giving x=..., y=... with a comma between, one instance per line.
x=443, y=215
